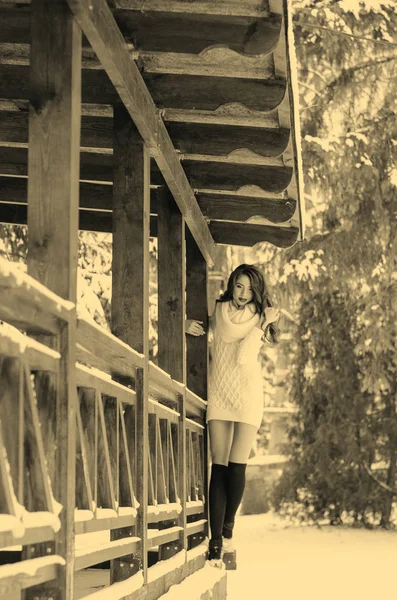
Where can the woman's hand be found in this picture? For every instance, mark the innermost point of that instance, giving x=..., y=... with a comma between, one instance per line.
x=271, y=314
x=193, y=327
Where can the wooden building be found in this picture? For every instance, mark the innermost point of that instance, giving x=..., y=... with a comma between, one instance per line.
x=174, y=119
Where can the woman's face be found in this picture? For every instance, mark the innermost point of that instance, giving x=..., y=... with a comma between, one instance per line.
x=242, y=291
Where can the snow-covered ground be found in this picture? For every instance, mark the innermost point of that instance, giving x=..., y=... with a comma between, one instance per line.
x=276, y=562
x=281, y=562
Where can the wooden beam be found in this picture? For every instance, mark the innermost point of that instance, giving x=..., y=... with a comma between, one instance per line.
x=163, y=90
x=94, y=166
x=215, y=61
x=168, y=31
x=195, y=92
x=221, y=140
x=193, y=138
x=243, y=234
x=231, y=176
x=196, y=308
x=54, y=142
x=98, y=24
x=89, y=220
x=96, y=132
x=230, y=207
x=242, y=208
x=130, y=301
x=192, y=33
x=171, y=286
x=224, y=232
x=205, y=7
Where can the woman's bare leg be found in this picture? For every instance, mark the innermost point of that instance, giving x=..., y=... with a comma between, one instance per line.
x=243, y=439
x=221, y=436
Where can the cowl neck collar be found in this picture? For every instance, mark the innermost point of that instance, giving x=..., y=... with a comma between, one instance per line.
x=234, y=326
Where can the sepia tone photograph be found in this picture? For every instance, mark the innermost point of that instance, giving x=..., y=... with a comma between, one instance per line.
x=198, y=299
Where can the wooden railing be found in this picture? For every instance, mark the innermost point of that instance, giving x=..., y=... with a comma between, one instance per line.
x=111, y=450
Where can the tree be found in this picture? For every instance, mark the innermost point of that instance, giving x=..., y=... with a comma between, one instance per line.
x=342, y=281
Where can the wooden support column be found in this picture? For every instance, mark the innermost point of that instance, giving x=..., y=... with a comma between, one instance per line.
x=171, y=286
x=196, y=308
x=53, y=196
x=171, y=325
x=130, y=302
x=197, y=347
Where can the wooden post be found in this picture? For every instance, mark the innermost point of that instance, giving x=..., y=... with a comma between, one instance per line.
x=196, y=308
x=197, y=347
x=171, y=322
x=130, y=300
x=171, y=286
x=53, y=198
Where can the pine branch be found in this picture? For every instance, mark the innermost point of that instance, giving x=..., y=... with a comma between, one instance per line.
x=350, y=35
x=384, y=486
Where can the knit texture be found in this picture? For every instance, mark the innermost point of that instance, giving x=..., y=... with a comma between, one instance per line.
x=235, y=379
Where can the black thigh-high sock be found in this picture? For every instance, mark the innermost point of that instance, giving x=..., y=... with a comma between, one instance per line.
x=217, y=499
x=234, y=494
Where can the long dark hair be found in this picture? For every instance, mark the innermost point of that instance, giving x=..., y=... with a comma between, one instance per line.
x=260, y=294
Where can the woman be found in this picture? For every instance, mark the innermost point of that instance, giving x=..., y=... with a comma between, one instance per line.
x=243, y=317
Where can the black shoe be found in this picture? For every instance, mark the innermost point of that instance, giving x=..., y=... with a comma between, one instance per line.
x=215, y=553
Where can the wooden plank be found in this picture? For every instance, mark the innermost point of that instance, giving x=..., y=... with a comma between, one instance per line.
x=215, y=62
x=221, y=140
x=121, y=358
x=35, y=456
x=242, y=208
x=166, y=90
x=94, y=166
x=196, y=526
x=84, y=497
x=242, y=234
x=35, y=303
x=106, y=492
x=92, y=195
x=163, y=412
x=142, y=472
x=230, y=176
x=220, y=7
x=196, y=308
x=194, y=92
x=32, y=535
x=96, y=132
x=171, y=286
x=28, y=573
x=127, y=495
x=179, y=443
x=163, y=536
x=153, y=459
x=88, y=221
x=104, y=36
x=192, y=33
x=173, y=464
x=86, y=557
x=89, y=378
x=162, y=492
x=104, y=524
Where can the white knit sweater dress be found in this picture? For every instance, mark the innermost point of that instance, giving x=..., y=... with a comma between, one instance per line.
x=235, y=382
